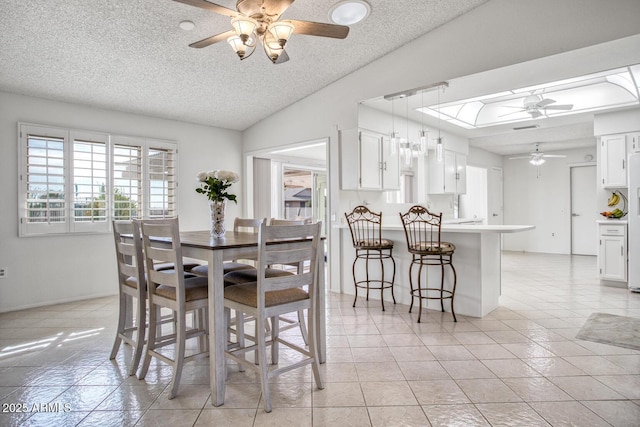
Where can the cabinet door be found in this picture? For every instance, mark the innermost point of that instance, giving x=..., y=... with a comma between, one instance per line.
x=633, y=142
x=613, y=161
x=450, y=172
x=370, y=161
x=461, y=174
x=611, y=258
x=390, y=166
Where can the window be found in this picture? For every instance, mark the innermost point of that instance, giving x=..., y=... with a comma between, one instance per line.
x=77, y=181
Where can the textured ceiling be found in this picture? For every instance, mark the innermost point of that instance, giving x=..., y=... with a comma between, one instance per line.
x=131, y=55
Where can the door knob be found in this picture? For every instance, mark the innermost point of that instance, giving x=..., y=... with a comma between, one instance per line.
x=575, y=214
x=495, y=214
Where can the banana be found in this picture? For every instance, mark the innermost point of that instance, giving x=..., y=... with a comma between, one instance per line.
x=614, y=199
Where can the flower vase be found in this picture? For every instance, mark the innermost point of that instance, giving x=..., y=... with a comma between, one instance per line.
x=217, y=226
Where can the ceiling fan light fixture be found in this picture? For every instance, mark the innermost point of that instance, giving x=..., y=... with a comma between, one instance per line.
x=537, y=161
x=349, y=12
x=281, y=31
x=238, y=46
x=272, y=47
x=244, y=27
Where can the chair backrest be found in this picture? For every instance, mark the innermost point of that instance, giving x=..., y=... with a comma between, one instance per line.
x=365, y=226
x=421, y=228
x=161, y=242
x=276, y=221
x=129, y=254
x=253, y=224
x=287, y=244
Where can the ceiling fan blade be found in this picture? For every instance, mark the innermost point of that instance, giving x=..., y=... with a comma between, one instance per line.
x=559, y=107
x=276, y=7
x=203, y=4
x=554, y=155
x=519, y=157
x=544, y=102
x=535, y=114
x=213, y=39
x=320, y=29
x=282, y=58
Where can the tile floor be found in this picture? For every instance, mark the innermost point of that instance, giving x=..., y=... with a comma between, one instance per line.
x=519, y=366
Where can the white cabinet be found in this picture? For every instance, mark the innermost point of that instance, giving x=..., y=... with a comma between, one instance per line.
x=612, y=253
x=367, y=161
x=613, y=161
x=448, y=176
x=633, y=142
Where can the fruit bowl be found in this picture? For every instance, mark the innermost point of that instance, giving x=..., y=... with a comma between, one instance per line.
x=613, y=201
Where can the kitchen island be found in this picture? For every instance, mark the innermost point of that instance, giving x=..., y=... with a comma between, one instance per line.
x=476, y=260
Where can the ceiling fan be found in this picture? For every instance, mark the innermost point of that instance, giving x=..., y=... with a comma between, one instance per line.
x=258, y=22
x=536, y=106
x=537, y=157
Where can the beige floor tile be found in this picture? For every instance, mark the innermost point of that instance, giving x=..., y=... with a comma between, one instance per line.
x=395, y=393
x=473, y=338
x=489, y=351
x=402, y=340
x=536, y=389
x=528, y=350
x=379, y=371
x=568, y=414
x=466, y=369
x=450, y=352
x=438, y=338
x=488, y=391
x=188, y=397
x=438, y=392
x=338, y=395
x=289, y=395
x=507, y=336
x=456, y=415
x=240, y=395
x=226, y=417
x=617, y=413
x=585, y=388
x=169, y=417
x=366, y=341
x=130, y=397
x=596, y=365
x=111, y=418
x=421, y=371
x=347, y=417
x=510, y=368
x=397, y=416
x=339, y=372
x=372, y=354
x=511, y=414
x=417, y=354
x=626, y=385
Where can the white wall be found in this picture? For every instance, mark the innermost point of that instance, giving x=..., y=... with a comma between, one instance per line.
x=44, y=270
x=542, y=197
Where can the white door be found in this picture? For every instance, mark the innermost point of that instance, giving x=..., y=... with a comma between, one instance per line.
x=494, y=197
x=584, y=210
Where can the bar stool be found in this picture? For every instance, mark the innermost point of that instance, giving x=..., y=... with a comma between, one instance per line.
x=422, y=231
x=366, y=235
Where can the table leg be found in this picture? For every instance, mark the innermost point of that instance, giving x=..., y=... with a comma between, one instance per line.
x=217, y=333
x=321, y=310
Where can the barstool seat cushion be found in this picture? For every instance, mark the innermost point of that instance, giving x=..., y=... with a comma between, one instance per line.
x=251, y=275
x=433, y=248
x=375, y=244
x=227, y=267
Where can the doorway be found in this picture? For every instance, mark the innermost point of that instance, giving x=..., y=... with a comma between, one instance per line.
x=584, y=211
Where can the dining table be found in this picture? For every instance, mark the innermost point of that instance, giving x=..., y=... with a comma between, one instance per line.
x=235, y=245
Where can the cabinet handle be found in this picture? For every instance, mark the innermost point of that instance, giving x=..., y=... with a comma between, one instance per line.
x=621, y=254
x=385, y=166
x=622, y=163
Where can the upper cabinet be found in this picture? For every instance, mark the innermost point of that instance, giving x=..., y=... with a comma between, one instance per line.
x=367, y=161
x=613, y=161
x=448, y=176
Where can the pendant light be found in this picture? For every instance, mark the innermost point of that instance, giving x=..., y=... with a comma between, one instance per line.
x=408, y=149
x=394, y=134
x=423, y=146
x=439, y=145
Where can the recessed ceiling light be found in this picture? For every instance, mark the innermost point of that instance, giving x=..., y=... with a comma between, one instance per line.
x=349, y=12
x=187, y=25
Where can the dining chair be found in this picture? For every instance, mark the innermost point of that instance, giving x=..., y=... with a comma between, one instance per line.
x=239, y=224
x=170, y=289
x=132, y=285
x=422, y=232
x=271, y=297
x=366, y=235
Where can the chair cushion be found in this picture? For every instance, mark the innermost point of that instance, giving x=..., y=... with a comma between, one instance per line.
x=227, y=267
x=433, y=248
x=195, y=288
x=187, y=266
x=374, y=244
x=247, y=294
x=251, y=275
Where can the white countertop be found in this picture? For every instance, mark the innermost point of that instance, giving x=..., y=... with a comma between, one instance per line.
x=463, y=228
x=611, y=221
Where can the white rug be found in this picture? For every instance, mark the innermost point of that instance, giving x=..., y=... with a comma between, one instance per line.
x=610, y=329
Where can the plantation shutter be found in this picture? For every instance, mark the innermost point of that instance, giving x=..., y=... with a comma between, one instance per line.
x=90, y=182
x=127, y=178
x=43, y=199
x=161, y=179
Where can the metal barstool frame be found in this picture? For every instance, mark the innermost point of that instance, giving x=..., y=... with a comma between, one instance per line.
x=422, y=231
x=366, y=236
